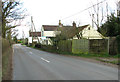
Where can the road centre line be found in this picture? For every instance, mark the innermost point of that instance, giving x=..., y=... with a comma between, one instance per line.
x=30, y=52
x=13, y=50
x=45, y=60
x=42, y=58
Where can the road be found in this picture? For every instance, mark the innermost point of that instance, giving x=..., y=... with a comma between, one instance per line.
x=32, y=64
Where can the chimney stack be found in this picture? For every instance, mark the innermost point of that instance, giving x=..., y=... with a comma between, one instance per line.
x=74, y=24
x=60, y=24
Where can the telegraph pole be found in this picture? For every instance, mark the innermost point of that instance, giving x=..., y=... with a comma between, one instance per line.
x=32, y=30
x=33, y=27
x=23, y=36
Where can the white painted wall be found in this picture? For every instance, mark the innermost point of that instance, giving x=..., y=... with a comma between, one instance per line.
x=34, y=40
x=29, y=40
x=90, y=34
x=49, y=33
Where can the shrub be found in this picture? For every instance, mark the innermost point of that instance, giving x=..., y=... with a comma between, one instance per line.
x=38, y=45
x=118, y=43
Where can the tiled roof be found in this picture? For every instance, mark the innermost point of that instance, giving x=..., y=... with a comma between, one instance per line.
x=35, y=34
x=80, y=28
x=54, y=27
x=50, y=27
x=70, y=31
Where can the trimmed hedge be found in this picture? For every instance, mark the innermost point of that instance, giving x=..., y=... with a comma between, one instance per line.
x=48, y=47
x=38, y=45
x=118, y=43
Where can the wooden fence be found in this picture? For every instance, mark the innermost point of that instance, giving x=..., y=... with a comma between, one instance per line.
x=93, y=46
x=80, y=46
x=98, y=46
x=65, y=46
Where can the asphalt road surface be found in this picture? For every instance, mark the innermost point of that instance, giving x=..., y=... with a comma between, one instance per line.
x=32, y=64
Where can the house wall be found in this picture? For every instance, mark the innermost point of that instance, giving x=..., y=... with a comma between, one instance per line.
x=29, y=40
x=49, y=33
x=42, y=31
x=90, y=33
x=46, y=41
x=34, y=40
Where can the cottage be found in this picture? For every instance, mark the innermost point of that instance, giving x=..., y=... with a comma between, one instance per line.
x=70, y=32
x=34, y=37
x=88, y=32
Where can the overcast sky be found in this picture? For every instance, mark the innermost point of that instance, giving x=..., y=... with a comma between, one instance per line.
x=49, y=12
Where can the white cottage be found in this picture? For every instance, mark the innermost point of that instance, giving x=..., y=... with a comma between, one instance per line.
x=86, y=31
x=34, y=37
x=89, y=32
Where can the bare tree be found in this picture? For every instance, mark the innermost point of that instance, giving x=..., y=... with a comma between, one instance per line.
x=97, y=14
x=11, y=13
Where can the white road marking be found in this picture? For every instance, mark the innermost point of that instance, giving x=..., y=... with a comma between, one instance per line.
x=31, y=53
x=45, y=60
x=28, y=47
x=41, y=58
x=13, y=50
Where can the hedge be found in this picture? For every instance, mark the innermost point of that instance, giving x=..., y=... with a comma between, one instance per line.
x=118, y=43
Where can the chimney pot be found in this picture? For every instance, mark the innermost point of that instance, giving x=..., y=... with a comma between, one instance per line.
x=74, y=24
x=60, y=24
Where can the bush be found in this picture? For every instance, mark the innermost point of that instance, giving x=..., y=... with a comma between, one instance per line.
x=118, y=43
x=20, y=41
x=26, y=43
x=38, y=45
x=48, y=47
